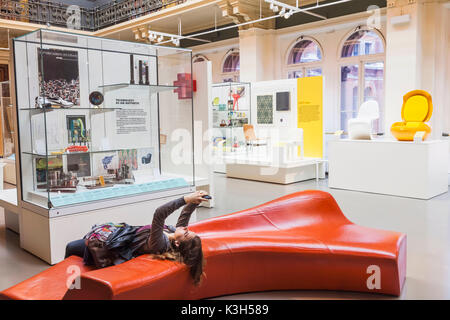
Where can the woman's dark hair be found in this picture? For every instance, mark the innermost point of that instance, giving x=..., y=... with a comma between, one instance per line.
x=191, y=254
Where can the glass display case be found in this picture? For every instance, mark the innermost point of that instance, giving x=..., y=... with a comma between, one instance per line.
x=7, y=121
x=231, y=110
x=100, y=119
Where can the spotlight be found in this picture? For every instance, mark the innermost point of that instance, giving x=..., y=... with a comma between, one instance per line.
x=283, y=11
x=288, y=14
x=275, y=9
x=271, y=6
x=176, y=42
x=160, y=39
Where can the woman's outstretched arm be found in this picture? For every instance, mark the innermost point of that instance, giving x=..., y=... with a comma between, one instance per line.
x=192, y=200
x=156, y=242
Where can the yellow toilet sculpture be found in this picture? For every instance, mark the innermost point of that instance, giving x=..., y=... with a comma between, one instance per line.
x=417, y=109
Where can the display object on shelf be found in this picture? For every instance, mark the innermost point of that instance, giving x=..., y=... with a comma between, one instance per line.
x=96, y=98
x=185, y=86
x=416, y=110
x=360, y=128
x=231, y=111
x=78, y=152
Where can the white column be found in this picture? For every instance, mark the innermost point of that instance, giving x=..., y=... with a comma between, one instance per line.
x=402, y=60
x=417, y=57
x=256, y=49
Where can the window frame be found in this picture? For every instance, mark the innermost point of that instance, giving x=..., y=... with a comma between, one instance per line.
x=235, y=75
x=361, y=60
x=199, y=55
x=302, y=66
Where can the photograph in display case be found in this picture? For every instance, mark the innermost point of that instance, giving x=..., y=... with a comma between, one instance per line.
x=54, y=164
x=76, y=128
x=144, y=157
x=80, y=163
x=59, y=74
x=103, y=162
x=127, y=162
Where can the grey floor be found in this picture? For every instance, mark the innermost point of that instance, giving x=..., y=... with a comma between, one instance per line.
x=426, y=223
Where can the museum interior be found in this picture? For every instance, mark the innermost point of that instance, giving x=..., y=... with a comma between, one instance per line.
x=308, y=139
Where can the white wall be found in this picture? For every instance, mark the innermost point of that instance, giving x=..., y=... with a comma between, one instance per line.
x=271, y=88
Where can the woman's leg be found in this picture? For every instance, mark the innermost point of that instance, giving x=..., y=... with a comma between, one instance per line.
x=75, y=248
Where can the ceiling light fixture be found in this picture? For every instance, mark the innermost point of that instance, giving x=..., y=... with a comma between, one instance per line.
x=288, y=10
x=289, y=14
x=276, y=3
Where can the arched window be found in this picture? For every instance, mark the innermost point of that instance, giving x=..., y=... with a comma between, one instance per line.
x=362, y=58
x=231, y=66
x=362, y=42
x=199, y=58
x=304, y=59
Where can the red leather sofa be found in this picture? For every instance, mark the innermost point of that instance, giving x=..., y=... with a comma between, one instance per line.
x=300, y=241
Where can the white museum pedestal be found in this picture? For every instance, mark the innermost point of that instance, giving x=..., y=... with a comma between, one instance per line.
x=282, y=166
x=406, y=169
x=8, y=201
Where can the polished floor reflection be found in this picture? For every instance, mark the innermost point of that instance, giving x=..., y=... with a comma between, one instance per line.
x=426, y=223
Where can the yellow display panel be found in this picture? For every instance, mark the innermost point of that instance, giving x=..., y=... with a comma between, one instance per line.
x=310, y=115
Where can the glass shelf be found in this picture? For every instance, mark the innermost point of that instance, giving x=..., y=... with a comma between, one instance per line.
x=34, y=154
x=151, y=87
x=59, y=200
x=93, y=110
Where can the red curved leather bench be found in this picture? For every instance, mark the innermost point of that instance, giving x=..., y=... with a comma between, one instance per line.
x=300, y=241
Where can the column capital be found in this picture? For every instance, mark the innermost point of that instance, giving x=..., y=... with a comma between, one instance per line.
x=241, y=11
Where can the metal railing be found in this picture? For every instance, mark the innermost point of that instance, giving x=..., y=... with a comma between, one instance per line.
x=91, y=19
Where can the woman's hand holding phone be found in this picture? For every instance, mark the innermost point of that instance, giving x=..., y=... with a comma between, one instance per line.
x=197, y=197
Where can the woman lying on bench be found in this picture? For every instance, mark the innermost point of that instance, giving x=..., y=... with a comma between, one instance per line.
x=164, y=242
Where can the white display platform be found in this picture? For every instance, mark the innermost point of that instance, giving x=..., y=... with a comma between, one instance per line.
x=8, y=201
x=284, y=172
x=406, y=169
x=219, y=165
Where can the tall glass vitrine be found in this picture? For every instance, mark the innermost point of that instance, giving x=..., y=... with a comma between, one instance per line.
x=101, y=119
x=231, y=111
